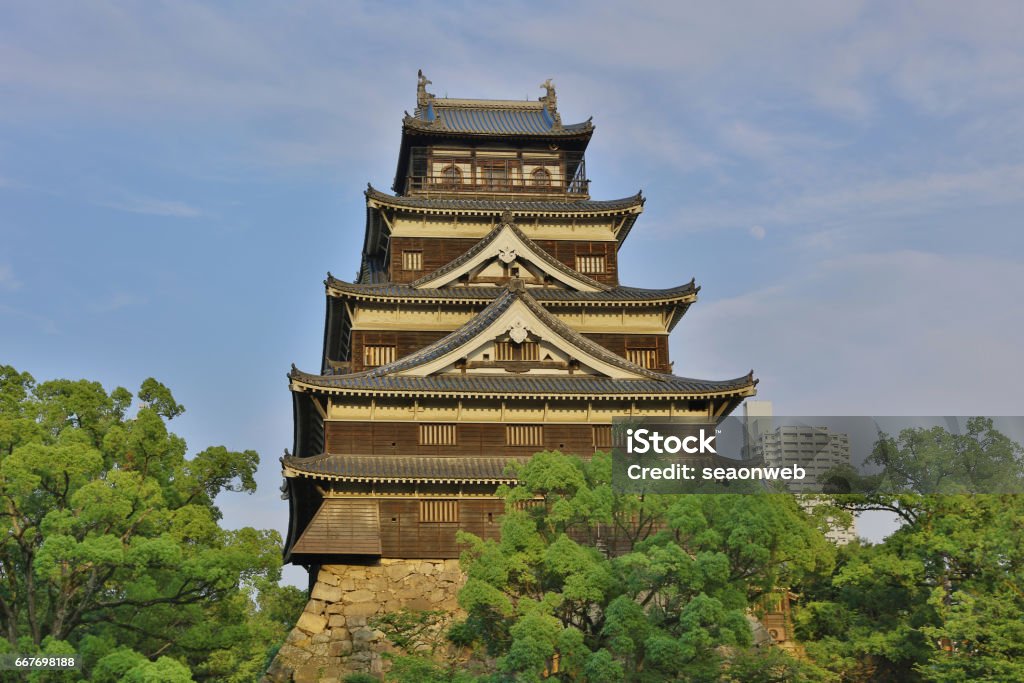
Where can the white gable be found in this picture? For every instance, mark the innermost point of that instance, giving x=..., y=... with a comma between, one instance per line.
x=507, y=249
x=520, y=324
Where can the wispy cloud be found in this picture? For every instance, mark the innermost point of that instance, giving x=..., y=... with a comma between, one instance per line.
x=882, y=333
x=116, y=302
x=44, y=324
x=154, y=207
x=8, y=281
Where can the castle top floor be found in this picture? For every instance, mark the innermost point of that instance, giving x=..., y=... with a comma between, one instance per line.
x=471, y=148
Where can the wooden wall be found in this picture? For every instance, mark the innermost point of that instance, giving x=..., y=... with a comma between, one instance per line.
x=439, y=251
x=407, y=342
x=403, y=535
x=618, y=343
x=473, y=439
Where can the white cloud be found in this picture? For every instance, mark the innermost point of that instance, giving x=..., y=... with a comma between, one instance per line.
x=8, y=280
x=900, y=333
x=154, y=207
x=116, y=302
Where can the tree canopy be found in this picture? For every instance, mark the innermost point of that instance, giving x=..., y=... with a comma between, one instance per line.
x=587, y=584
x=111, y=545
x=590, y=585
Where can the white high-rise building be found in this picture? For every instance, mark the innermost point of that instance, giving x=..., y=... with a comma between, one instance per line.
x=815, y=449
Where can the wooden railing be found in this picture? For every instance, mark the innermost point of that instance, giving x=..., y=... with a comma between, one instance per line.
x=576, y=187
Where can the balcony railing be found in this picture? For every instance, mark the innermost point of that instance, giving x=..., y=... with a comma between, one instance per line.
x=561, y=174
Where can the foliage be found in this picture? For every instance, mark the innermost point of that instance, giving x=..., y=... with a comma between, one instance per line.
x=589, y=585
x=940, y=600
x=110, y=540
x=671, y=602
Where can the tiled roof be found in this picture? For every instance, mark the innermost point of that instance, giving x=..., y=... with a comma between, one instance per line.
x=341, y=527
x=470, y=253
x=497, y=206
x=531, y=385
x=406, y=292
x=386, y=377
x=491, y=117
x=384, y=468
x=372, y=271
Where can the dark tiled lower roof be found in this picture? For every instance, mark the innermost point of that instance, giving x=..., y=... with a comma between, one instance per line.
x=616, y=295
x=497, y=206
x=384, y=468
x=534, y=386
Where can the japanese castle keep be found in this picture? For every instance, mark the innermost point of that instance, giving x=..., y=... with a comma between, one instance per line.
x=487, y=322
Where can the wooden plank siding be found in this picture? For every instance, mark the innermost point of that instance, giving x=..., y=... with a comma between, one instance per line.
x=342, y=526
x=393, y=527
x=402, y=534
x=472, y=439
x=439, y=251
x=620, y=343
x=407, y=342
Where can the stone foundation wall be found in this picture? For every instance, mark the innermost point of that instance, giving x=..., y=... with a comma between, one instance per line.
x=332, y=637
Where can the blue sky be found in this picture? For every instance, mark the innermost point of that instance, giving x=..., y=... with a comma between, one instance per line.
x=845, y=180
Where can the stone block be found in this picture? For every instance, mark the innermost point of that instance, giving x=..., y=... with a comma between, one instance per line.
x=307, y=674
x=328, y=577
x=419, y=604
x=361, y=595
x=326, y=592
x=361, y=609
x=331, y=674
x=397, y=572
x=363, y=636
x=315, y=606
x=335, y=620
x=311, y=623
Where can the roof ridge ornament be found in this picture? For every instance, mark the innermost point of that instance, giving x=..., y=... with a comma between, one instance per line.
x=423, y=98
x=507, y=218
x=550, y=101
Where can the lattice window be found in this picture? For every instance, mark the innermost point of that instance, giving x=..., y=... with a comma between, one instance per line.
x=602, y=436
x=437, y=434
x=412, y=260
x=647, y=358
x=593, y=263
x=503, y=351
x=444, y=511
x=378, y=354
x=541, y=177
x=524, y=435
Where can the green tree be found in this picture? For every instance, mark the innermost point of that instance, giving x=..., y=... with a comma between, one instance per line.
x=940, y=599
x=110, y=544
x=592, y=585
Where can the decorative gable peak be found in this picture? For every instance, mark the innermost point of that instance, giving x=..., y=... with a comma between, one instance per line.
x=506, y=254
